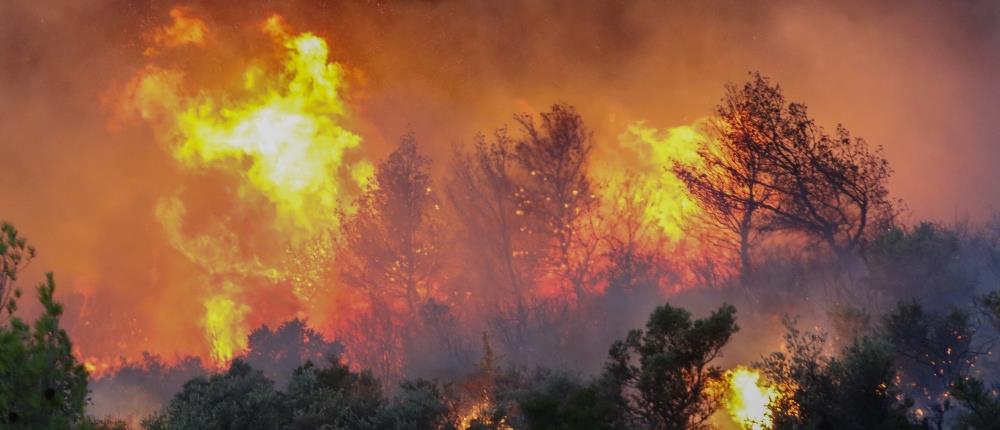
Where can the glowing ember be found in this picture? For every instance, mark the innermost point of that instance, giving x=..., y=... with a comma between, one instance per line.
x=747, y=399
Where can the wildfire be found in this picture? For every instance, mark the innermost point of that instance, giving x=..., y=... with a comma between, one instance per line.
x=97, y=368
x=477, y=412
x=747, y=399
x=662, y=197
x=279, y=130
x=183, y=31
x=223, y=320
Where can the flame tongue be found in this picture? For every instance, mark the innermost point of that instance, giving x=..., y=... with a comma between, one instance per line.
x=648, y=154
x=747, y=400
x=283, y=127
x=279, y=134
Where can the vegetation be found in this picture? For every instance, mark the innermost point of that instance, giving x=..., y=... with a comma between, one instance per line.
x=665, y=372
x=42, y=385
x=801, y=210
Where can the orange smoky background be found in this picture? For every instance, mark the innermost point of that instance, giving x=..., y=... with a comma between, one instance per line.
x=95, y=189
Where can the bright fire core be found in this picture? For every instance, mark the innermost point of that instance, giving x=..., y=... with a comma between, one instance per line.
x=747, y=399
x=281, y=133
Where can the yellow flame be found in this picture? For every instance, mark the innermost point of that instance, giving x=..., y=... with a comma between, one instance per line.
x=225, y=326
x=747, y=399
x=280, y=131
x=652, y=153
x=287, y=129
x=478, y=412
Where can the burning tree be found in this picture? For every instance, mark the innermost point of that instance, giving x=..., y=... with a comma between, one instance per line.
x=392, y=248
x=394, y=236
x=855, y=390
x=938, y=349
x=486, y=192
x=554, y=153
x=772, y=168
x=730, y=183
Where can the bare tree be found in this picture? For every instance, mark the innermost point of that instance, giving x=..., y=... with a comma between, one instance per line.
x=554, y=153
x=391, y=255
x=772, y=168
x=490, y=205
x=393, y=240
x=832, y=188
x=730, y=184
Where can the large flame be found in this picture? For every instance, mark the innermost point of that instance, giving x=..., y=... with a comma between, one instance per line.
x=747, y=399
x=648, y=155
x=279, y=131
x=283, y=126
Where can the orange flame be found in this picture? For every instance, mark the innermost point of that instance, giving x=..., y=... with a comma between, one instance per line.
x=280, y=133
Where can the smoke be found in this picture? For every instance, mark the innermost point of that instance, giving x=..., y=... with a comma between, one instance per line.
x=92, y=193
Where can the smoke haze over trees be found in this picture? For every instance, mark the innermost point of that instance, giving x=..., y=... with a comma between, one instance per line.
x=329, y=244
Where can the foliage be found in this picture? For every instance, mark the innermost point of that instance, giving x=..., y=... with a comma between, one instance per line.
x=664, y=372
x=981, y=405
x=42, y=386
x=418, y=405
x=15, y=253
x=854, y=391
x=279, y=351
x=946, y=345
x=922, y=262
x=865, y=391
x=990, y=303
x=332, y=396
x=107, y=423
x=240, y=398
x=563, y=402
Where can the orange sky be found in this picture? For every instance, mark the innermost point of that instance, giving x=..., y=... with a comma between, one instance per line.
x=918, y=80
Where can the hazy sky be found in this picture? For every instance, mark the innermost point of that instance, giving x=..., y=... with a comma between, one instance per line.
x=919, y=78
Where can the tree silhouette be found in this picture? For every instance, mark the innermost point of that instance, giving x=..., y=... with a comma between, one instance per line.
x=41, y=383
x=490, y=204
x=279, y=351
x=15, y=253
x=772, y=168
x=394, y=237
x=664, y=372
x=392, y=253
x=731, y=183
x=554, y=153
